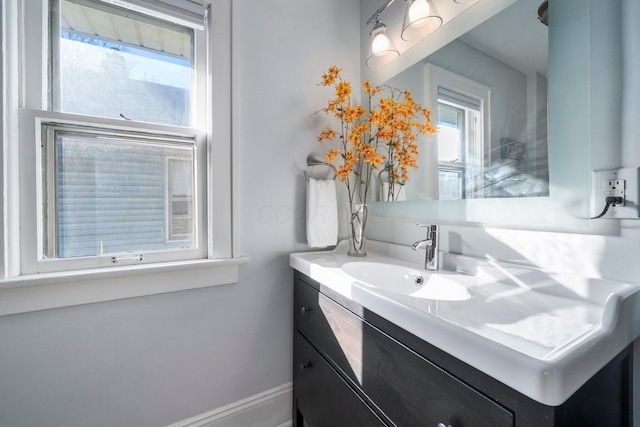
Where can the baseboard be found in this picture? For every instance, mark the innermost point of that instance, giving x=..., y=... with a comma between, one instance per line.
x=271, y=408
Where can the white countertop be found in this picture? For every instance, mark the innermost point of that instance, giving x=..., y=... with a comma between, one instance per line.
x=542, y=334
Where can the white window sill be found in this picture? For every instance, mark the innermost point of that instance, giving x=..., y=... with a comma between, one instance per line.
x=55, y=290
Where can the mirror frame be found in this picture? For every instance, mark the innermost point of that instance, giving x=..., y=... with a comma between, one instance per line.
x=567, y=207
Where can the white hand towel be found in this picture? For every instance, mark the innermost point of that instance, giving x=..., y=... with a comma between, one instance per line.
x=398, y=189
x=322, y=213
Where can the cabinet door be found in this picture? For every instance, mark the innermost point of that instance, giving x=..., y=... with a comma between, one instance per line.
x=409, y=389
x=322, y=397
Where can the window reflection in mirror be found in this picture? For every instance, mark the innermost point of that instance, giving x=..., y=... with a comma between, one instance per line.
x=460, y=141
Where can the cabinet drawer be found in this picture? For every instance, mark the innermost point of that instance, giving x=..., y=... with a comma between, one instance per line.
x=322, y=396
x=409, y=389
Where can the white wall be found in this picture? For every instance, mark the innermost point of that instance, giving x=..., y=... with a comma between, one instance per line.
x=155, y=360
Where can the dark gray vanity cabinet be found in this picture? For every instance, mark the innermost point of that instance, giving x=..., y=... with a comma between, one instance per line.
x=354, y=368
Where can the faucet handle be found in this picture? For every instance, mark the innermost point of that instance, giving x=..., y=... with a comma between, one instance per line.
x=431, y=261
x=429, y=226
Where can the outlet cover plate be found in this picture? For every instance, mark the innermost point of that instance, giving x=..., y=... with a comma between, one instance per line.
x=601, y=183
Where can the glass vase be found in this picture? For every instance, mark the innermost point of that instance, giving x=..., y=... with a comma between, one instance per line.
x=356, y=225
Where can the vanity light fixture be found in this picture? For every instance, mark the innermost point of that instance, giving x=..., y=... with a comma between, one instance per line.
x=543, y=12
x=382, y=49
x=420, y=19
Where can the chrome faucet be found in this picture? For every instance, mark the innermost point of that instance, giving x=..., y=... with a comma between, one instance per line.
x=431, y=244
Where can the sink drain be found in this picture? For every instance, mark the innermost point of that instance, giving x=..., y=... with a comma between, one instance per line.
x=419, y=281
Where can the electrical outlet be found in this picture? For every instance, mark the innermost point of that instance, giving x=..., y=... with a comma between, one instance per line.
x=623, y=183
x=615, y=188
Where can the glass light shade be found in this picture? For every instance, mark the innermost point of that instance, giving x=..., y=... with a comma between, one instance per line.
x=417, y=11
x=382, y=49
x=420, y=19
x=379, y=44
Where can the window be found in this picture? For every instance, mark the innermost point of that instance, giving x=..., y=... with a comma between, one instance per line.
x=115, y=118
x=107, y=192
x=460, y=144
x=462, y=113
x=112, y=62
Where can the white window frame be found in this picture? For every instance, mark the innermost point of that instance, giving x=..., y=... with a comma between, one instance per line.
x=439, y=77
x=32, y=163
x=155, y=11
x=21, y=201
x=471, y=172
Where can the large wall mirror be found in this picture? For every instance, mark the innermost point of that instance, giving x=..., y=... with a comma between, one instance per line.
x=492, y=76
x=488, y=93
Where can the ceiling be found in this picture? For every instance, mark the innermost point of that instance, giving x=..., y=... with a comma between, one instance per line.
x=515, y=36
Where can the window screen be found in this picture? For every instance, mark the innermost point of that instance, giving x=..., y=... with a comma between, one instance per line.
x=115, y=192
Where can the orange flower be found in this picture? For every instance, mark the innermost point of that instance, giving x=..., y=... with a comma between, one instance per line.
x=351, y=114
x=386, y=105
x=343, y=90
x=343, y=173
x=331, y=75
x=370, y=90
x=370, y=155
x=328, y=134
x=333, y=106
x=385, y=134
x=358, y=132
x=331, y=155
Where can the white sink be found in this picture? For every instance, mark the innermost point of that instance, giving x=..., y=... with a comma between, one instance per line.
x=407, y=281
x=540, y=333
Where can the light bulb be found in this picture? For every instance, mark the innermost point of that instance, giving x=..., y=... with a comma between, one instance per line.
x=380, y=43
x=418, y=11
